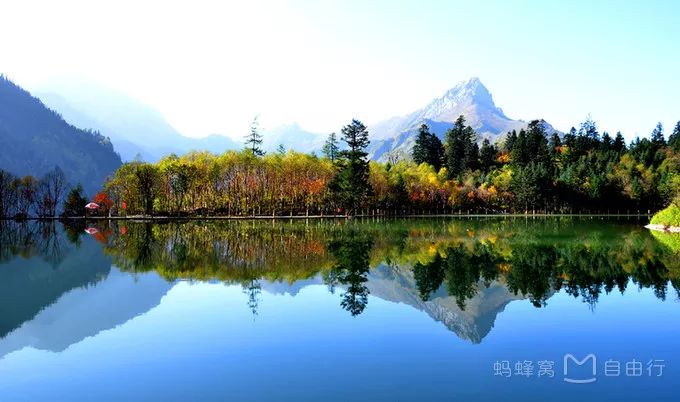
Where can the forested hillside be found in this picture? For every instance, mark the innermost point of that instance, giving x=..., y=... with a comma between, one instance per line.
x=34, y=140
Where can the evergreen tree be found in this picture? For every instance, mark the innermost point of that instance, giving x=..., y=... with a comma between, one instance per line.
x=531, y=145
x=510, y=140
x=462, y=152
x=330, y=147
x=619, y=143
x=471, y=150
x=421, y=148
x=487, y=156
x=254, y=139
x=607, y=143
x=530, y=184
x=75, y=202
x=554, y=142
x=428, y=148
x=674, y=139
x=657, y=137
x=435, y=152
x=351, y=183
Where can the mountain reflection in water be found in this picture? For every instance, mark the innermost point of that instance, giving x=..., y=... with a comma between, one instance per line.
x=462, y=273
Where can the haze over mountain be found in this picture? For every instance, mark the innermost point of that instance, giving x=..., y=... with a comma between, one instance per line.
x=469, y=98
x=35, y=139
x=134, y=127
x=138, y=130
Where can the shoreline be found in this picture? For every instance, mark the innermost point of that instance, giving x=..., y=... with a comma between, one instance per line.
x=319, y=217
x=663, y=228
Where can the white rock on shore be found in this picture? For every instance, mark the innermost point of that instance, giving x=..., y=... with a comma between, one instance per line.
x=664, y=228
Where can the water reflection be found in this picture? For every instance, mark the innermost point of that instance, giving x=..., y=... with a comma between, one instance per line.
x=58, y=288
x=460, y=272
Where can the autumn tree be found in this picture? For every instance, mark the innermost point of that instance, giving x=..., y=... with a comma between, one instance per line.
x=27, y=189
x=146, y=183
x=8, y=193
x=50, y=192
x=104, y=201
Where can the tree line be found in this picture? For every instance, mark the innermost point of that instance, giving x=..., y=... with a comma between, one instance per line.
x=47, y=197
x=582, y=171
x=529, y=171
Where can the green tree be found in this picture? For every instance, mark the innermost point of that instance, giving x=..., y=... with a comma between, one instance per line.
x=530, y=184
x=254, y=139
x=428, y=148
x=487, y=156
x=674, y=139
x=619, y=143
x=351, y=184
x=435, y=152
x=462, y=152
x=146, y=184
x=352, y=254
x=75, y=202
x=657, y=136
x=421, y=148
x=330, y=147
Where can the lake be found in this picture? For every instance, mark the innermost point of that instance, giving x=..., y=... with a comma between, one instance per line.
x=460, y=309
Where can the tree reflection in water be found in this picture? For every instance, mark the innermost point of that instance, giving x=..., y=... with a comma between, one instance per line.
x=458, y=258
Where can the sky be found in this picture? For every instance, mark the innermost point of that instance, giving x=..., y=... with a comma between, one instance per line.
x=210, y=67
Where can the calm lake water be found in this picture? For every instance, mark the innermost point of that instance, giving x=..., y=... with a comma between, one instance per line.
x=397, y=310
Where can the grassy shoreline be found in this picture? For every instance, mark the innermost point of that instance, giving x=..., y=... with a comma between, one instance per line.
x=666, y=220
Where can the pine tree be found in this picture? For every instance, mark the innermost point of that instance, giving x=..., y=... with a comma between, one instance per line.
x=674, y=139
x=510, y=140
x=351, y=184
x=462, y=152
x=421, y=148
x=619, y=143
x=657, y=137
x=487, y=156
x=254, y=139
x=330, y=147
x=435, y=152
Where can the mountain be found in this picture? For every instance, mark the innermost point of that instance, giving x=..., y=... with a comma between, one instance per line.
x=398, y=285
x=292, y=136
x=135, y=129
x=469, y=98
x=35, y=139
x=472, y=323
x=50, y=305
x=36, y=270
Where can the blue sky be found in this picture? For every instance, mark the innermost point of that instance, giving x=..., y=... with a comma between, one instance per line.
x=211, y=66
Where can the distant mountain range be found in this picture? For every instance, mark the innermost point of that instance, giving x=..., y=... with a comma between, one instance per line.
x=35, y=139
x=135, y=129
x=139, y=130
x=469, y=98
